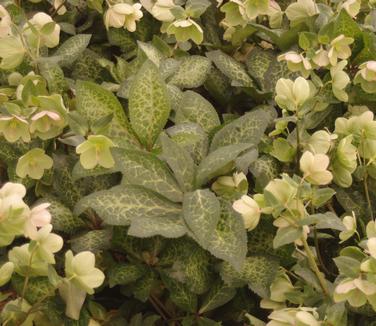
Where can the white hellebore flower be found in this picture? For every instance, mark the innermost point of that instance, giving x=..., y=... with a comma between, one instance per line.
x=39, y=217
x=292, y=94
x=314, y=168
x=297, y=62
x=371, y=245
x=5, y=22
x=340, y=49
x=249, y=210
x=82, y=272
x=350, y=227
x=320, y=142
x=123, y=15
x=47, y=244
x=339, y=81
x=300, y=10
x=39, y=20
x=352, y=7
x=59, y=6
x=160, y=9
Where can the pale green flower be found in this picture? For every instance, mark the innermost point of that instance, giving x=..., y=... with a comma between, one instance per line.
x=339, y=49
x=231, y=186
x=12, y=52
x=282, y=190
x=39, y=217
x=80, y=269
x=49, y=38
x=13, y=212
x=321, y=58
x=14, y=128
x=123, y=15
x=46, y=124
x=301, y=316
x=301, y=10
x=355, y=291
x=314, y=168
x=47, y=244
x=25, y=264
x=233, y=14
x=278, y=289
x=291, y=95
x=254, y=8
x=371, y=229
x=297, y=62
x=73, y=297
x=96, y=150
x=339, y=81
x=352, y=7
x=320, y=142
x=5, y=22
x=366, y=76
x=275, y=14
x=59, y=6
x=33, y=164
x=160, y=9
x=186, y=29
x=350, y=227
x=6, y=271
x=344, y=162
x=250, y=211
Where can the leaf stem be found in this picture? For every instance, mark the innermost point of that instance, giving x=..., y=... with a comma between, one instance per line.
x=312, y=262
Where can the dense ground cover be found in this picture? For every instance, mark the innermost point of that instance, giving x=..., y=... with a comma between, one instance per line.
x=172, y=162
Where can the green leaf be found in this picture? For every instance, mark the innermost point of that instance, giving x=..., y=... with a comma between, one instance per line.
x=94, y=102
x=249, y=128
x=166, y=226
x=72, y=48
x=324, y=221
x=229, y=240
x=120, y=204
x=180, y=294
x=192, y=72
x=122, y=274
x=180, y=162
x=54, y=76
x=151, y=52
x=195, y=108
x=192, y=138
x=258, y=272
x=219, y=162
x=218, y=295
x=149, y=105
x=201, y=210
x=286, y=235
x=94, y=241
x=145, y=169
x=218, y=85
x=231, y=68
x=63, y=219
x=37, y=287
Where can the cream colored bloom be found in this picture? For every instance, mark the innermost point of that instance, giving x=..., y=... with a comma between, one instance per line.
x=5, y=22
x=371, y=245
x=340, y=80
x=366, y=76
x=321, y=58
x=352, y=7
x=123, y=15
x=350, y=227
x=314, y=168
x=47, y=244
x=320, y=142
x=339, y=49
x=59, y=5
x=297, y=62
x=300, y=10
x=249, y=210
x=82, y=272
x=290, y=95
x=160, y=9
x=39, y=20
x=39, y=216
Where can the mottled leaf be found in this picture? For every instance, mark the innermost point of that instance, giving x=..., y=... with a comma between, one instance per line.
x=72, y=48
x=195, y=108
x=149, y=104
x=120, y=204
x=192, y=72
x=219, y=162
x=201, y=210
x=218, y=295
x=122, y=274
x=94, y=241
x=145, y=169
